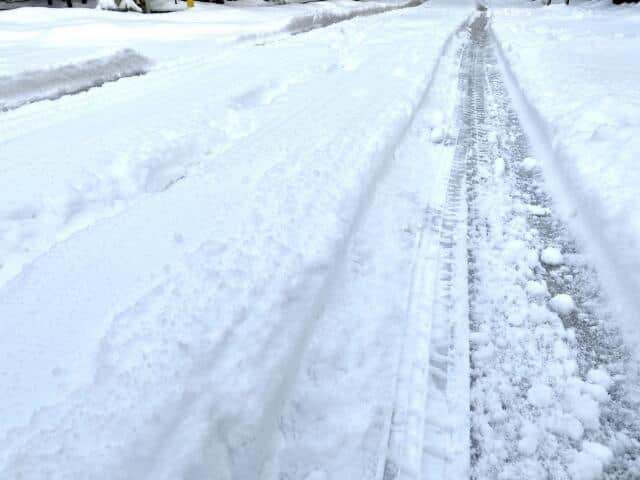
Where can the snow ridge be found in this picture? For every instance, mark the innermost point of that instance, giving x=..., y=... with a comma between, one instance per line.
x=32, y=86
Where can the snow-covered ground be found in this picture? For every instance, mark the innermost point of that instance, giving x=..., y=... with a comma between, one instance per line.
x=40, y=38
x=577, y=71
x=168, y=265
x=399, y=247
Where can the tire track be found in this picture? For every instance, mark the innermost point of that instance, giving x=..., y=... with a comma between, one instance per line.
x=428, y=420
x=552, y=390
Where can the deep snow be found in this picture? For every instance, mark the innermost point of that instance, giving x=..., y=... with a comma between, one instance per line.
x=346, y=253
x=189, y=239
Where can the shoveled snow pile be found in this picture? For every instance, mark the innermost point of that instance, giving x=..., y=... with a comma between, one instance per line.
x=52, y=83
x=578, y=69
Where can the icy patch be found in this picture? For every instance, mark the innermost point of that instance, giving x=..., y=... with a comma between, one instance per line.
x=32, y=86
x=562, y=304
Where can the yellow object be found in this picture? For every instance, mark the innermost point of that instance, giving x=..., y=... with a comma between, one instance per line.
x=190, y=3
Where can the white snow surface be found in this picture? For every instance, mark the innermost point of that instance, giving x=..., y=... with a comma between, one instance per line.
x=42, y=38
x=170, y=241
x=577, y=72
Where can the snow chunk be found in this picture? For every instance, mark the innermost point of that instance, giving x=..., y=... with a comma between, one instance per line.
x=499, y=166
x=585, y=467
x=479, y=338
x=562, y=304
x=600, y=377
x=597, y=392
x=551, y=256
x=538, y=211
x=437, y=135
x=536, y=289
x=540, y=395
x=590, y=462
x=599, y=451
x=581, y=405
x=528, y=444
x=568, y=425
x=529, y=164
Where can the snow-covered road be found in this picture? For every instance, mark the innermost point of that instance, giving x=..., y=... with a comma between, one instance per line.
x=330, y=255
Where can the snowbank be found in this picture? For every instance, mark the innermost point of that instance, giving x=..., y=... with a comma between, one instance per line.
x=50, y=84
x=576, y=79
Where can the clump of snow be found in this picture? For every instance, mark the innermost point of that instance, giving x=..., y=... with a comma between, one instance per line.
x=597, y=392
x=566, y=424
x=589, y=463
x=600, y=377
x=479, y=338
x=536, y=289
x=437, y=134
x=551, y=256
x=562, y=304
x=538, y=211
x=528, y=442
x=540, y=395
x=529, y=164
x=499, y=166
x=581, y=404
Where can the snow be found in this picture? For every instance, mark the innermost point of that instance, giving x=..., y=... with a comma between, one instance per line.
x=165, y=273
x=529, y=164
x=537, y=289
x=551, y=256
x=437, y=134
x=53, y=83
x=589, y=463
x=562, y=303
x=44, y=38
x=574, y=75
x=235, y=252
x=540, y=395
x=600, y=377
